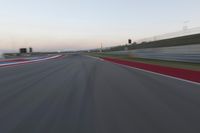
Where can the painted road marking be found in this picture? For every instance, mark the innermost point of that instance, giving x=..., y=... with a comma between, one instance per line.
x=156, y=73
x=26, y=62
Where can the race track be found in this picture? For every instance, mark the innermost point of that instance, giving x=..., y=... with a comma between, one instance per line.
x=80, y=94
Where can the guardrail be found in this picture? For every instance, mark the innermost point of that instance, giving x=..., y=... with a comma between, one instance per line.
x=187, y=53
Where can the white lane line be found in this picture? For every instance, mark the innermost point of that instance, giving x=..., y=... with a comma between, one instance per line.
x=155, y=73
x=25, y=62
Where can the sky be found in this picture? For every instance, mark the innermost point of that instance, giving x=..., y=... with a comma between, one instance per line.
x=60, y=25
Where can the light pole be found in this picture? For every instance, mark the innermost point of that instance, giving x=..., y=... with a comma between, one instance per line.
x=185, y=25
x=101, y=49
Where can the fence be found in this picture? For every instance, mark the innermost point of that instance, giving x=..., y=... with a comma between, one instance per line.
x=184, y=32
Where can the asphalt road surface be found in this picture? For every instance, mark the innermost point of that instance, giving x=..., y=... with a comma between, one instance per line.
x=79, y=94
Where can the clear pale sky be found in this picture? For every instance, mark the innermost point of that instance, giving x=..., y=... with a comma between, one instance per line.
x=83, y=24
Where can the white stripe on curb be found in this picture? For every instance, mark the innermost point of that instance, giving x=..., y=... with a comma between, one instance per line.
x=155, y=73
x=168, y=76
x=25, y=62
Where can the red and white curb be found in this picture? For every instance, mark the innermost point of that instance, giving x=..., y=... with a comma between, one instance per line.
x=175, y=73
x=31, y=61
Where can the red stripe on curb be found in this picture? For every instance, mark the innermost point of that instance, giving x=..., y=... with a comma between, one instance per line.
x=175, y=72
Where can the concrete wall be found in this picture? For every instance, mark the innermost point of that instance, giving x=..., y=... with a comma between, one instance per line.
x=1, y=55
x=187, y=53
